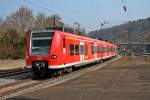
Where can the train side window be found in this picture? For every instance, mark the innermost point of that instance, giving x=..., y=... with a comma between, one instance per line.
x=92, y=49
x=104, y=49
x=64, y=42
x=86, y=49
x=95, y=49
x=71, y=49
x=107, y=49
x=99, y=48
x=81, y=49
x=77, y=49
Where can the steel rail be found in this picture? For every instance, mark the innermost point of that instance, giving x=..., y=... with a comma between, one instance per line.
x=14, y=72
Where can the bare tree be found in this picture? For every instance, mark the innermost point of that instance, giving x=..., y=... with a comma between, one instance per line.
x=2, y=27
x=40, y=21
x=21, y=20
x=1, y=21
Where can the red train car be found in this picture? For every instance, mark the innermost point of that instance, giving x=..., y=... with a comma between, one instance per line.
x=49, y=50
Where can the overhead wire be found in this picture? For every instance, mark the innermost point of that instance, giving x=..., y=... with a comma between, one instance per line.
x=82, y=12
x=79, y=11
x=96, y=12
x=48, y=10
x=101, y=21
x=124, y=3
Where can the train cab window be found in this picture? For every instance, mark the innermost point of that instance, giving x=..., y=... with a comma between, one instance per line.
x=77, y=49
x=64, y=42
x=41, y=43
x=81, y=49
x=71, y=49
x=86, y=49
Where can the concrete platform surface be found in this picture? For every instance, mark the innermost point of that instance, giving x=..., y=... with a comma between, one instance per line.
x=8, y=64
x=125, y=79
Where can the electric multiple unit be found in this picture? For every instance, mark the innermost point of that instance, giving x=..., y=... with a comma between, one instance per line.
x=54, y=50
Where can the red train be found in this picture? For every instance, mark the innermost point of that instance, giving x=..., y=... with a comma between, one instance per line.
x=51, y=50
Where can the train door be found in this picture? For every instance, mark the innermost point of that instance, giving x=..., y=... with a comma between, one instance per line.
x=105, y=51
x=82, y=52
x=95, y=51
x=64, y=51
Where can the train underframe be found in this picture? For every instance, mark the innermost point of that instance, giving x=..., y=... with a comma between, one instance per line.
x=40, y=68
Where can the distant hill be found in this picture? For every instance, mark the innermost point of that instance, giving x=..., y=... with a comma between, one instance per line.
x=139, y=31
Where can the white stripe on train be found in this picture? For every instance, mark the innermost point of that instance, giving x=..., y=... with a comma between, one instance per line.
x=72, y=64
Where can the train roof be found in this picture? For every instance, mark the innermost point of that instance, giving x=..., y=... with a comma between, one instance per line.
x=76, y=36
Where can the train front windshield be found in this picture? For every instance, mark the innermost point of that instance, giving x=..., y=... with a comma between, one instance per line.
x=41, y=43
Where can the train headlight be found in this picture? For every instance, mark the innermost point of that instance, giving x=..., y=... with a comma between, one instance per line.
x=27, y=57
x=53, y=57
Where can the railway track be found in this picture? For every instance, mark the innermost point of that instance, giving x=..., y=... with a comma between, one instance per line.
x=140, y=54
x=13, y=72
x=29, y=85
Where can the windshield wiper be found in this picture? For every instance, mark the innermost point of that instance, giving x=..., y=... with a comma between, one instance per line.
x=39, y=48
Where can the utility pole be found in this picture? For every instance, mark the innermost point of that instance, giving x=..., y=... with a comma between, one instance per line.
x=76, y=26
x=54, y=21
x=129, y=34
x=130, y=45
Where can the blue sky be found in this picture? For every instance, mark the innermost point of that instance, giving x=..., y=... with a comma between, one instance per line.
x=89, y=13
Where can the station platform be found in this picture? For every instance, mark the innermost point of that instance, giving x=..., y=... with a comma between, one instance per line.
x=125, y=79
x=8, y=64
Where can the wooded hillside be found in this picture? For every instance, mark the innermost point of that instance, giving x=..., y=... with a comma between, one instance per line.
x=139, y=31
